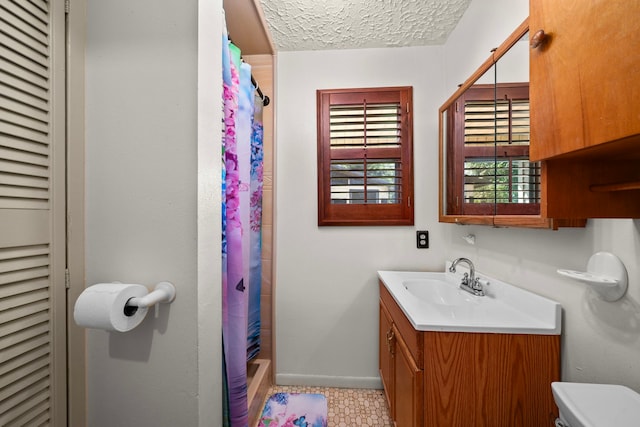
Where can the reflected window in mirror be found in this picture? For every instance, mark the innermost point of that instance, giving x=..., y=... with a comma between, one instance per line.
x=488, y=169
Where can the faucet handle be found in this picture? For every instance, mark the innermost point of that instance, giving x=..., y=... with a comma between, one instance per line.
x=482, y=282
x=465, y=279
x=479, y=285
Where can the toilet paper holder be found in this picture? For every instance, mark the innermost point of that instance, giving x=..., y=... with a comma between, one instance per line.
x=164, y=293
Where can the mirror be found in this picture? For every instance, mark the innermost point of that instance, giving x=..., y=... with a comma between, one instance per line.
x=469, y=146
x=484, y=141
x=517, y=179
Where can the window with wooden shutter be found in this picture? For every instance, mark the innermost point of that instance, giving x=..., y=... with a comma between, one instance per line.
x=491, y=152
x=365, y=166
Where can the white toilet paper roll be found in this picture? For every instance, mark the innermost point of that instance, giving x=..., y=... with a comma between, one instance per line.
x=102, y=306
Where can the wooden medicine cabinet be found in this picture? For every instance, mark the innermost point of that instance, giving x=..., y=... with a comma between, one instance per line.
x=486, y=176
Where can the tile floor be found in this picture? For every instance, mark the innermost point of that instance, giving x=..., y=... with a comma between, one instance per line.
x=348, y=407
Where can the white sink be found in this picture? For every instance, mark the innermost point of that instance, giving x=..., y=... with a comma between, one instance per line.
x=433, y=301
x=596, y=405
x=439, y=291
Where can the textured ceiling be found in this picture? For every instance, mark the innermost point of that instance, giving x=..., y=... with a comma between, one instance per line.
x=357, y=24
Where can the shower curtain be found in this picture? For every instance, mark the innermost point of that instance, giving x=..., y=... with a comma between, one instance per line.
x=255, y=239
x=233, y=304
x=241, y=227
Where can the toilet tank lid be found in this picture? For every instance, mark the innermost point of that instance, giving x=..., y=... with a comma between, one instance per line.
x=597, y=405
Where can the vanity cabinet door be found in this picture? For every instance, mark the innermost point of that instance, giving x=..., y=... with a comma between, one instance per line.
x=584, y=76
x=386, y=356
x=408, y=404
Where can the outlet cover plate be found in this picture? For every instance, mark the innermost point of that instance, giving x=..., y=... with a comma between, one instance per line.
x=422, y=239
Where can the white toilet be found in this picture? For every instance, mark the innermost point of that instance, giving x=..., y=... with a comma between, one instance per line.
x=596, y=405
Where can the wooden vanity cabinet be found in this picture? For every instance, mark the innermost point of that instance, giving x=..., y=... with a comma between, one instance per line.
x=456, y=379
x=401, y=362
x=585, y=107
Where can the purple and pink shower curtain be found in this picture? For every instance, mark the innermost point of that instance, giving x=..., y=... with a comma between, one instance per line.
x=255, y=225
x=241, y=229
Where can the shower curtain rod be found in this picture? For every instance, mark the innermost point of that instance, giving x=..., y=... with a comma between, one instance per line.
x=265, y=99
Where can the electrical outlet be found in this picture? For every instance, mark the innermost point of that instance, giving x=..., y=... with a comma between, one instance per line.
x=422, y=239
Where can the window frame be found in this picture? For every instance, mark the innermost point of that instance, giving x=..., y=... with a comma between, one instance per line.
x=459, y=152
x=365, y=214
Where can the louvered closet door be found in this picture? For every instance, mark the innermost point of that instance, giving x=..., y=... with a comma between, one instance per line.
x=32, y=214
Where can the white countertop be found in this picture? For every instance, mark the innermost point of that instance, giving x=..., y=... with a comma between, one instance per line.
x=430, y=305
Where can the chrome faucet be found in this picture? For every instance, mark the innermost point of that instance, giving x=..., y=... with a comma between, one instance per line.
x=470, y=282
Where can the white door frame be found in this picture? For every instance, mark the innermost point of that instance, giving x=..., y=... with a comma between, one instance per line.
x=76, y=341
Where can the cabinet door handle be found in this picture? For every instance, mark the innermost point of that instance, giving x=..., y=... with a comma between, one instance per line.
x=538, y=39
x=390, y=337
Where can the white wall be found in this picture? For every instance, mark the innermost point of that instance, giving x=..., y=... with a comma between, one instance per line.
x=484, y=26
x=326, y=287
x=144, y=193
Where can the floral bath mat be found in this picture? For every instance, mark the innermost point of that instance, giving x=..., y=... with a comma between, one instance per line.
x=295, y=410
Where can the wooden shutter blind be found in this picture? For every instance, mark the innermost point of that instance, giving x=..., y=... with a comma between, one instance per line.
x=26, y=258
x=364, y=157
x=356, y=177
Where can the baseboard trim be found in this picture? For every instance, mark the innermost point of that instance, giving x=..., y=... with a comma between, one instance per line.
x=329, y=381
